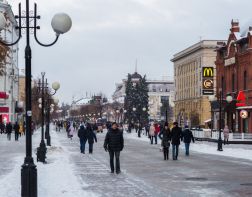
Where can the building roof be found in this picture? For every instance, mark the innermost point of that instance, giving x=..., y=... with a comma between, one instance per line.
x=210, y=44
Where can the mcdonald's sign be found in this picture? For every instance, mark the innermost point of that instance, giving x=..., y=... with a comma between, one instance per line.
x=208, y=71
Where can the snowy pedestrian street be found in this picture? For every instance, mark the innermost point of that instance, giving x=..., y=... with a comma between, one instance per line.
x=68, y=173
x=145, y=173
x=9, y=151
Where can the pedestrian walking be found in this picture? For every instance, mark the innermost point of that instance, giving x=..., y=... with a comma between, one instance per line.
x=71, y=131
x=139, y=131
x=68, y=128
x=114, y=143
x=9, y=130
x=91, y=137
x=16, y=129
x=152, y=133
x=21, y=129
x=176, y=135
x=82, y=134
x=187, y=137
x=226, y=134
x=2, y=127
x=165, y=136
x=157, y=130
x=147, y=129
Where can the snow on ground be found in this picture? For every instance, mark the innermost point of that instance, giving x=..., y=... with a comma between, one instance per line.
x=232, y=150
x=56, y=178
x=206, y=148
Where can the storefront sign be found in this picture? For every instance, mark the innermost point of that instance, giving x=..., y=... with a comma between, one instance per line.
x=207, y=80
x=4, y=118
x=4, y=95
x=241, y=99
x=208, y=72
x=207, y=92
x=208, y=84
x=243, y=114
x=4, y=109
x=230, y=61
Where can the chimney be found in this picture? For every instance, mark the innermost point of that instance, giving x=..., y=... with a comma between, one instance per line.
x=235, y=26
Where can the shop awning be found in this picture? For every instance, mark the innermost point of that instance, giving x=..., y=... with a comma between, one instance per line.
x=4, y=95
x=4, y=109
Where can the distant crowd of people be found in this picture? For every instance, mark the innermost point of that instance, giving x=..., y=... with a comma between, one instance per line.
x=18, y=128
x=171, y=135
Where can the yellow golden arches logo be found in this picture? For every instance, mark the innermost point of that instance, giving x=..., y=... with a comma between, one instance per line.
x=208, y=72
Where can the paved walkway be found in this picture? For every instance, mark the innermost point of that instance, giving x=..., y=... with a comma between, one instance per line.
x=144, y=173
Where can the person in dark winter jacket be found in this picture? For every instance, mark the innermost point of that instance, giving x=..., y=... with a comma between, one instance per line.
x=16, y=129
x=147, y=129
x=2, y=127
x=9, y=130
x=114, y=143
x=176, y=135
x=187, y=138
x=91, y=137
x=165, y=136
x=82, y=134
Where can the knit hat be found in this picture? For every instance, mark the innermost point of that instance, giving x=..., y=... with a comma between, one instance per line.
x=114, y=123
x=166, y=124
x=175, y=123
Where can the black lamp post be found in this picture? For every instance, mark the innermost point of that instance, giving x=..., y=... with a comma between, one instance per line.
x=228, y=99
x=61, y=23
x=41, y=150
x=49, y=94
x=220, y=122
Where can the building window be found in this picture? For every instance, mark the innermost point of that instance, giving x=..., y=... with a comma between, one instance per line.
x=233, y=82
x=245, y=80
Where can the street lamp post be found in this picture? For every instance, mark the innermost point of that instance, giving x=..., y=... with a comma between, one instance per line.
x=41, y=150
x=61, y=23
x=229, y=99
x=212, y=98
x=220, y=122
x=55, y=87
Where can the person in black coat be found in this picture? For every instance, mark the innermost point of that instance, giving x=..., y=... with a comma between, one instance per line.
x=82, y=134
x=187, y=138
x=2, y=127
x=165, y=136
x=91, y=137
x=114, y=143
x=9, y=130
x=176, y=135
x=16, y=129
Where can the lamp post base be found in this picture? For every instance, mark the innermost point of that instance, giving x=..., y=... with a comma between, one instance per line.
x=29, y=179
x=41, y=152
x=48, y=140
x=220, y=145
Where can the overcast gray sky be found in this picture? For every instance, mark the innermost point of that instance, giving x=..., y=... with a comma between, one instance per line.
x=108, y=35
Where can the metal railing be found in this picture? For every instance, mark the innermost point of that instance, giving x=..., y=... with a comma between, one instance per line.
x=206, y=133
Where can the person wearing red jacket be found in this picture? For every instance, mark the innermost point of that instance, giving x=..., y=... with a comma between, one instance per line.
x=157, y=130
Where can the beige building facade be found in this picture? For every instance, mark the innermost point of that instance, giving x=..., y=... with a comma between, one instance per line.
x=192, y=108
